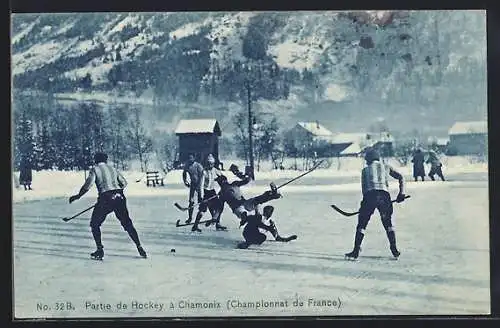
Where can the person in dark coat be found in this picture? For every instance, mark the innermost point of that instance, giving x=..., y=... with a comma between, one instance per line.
x=418, y=165
x=25, y=174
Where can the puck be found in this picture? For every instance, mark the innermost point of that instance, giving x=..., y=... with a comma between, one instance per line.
x=172, y=250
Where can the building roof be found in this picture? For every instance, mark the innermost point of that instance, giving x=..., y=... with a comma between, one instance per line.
x=348, y=138
x=315, y=128
x=353, y=148
x=381, y=137
x=198, y=126
x=469, y=127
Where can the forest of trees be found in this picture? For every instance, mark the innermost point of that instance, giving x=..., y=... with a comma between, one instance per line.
x=65, y=137
x=177, y=70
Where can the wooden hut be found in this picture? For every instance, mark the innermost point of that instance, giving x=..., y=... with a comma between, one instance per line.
x=199, y=137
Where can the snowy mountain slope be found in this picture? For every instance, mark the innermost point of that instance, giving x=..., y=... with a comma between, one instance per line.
x=430, y=60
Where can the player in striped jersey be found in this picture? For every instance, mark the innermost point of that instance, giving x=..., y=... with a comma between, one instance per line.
x=210, y=198
x=194, y=171
x=375, y=189
x=110, y=184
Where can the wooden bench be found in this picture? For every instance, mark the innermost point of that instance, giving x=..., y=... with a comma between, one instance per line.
x=154, y=178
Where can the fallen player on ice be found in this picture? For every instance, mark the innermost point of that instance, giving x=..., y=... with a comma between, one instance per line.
x=251, y=232
x=231, y=194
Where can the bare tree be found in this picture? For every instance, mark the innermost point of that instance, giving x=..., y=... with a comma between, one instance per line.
x=119, y=123
x=167, y=152
x=140, y=142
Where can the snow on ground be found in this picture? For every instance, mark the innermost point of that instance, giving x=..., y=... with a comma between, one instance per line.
x=308, y=41
x=186, y=30
x=442, y=233
x=130, y=19
x=293, y=55
x=335, y=92
x=343, y=174
x=16, y=38
x=229, y=36
x=38, y=55
x=103, y=96
x=80, y=48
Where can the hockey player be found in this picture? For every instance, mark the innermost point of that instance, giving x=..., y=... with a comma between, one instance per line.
x=375, y=187
x=210, y=198
x=110, y=184
x=230, y=193
x=418, y=165
x=255, y=222
x=436, y=165
x=194, y=170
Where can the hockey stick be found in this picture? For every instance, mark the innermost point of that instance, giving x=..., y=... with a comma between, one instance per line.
x=303, y=174
x=74, y=216
x=179, y=224
x=344, y=213
x=182, y=208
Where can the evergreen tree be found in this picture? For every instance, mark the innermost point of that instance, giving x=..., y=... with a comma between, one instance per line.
x=45, y=149
x=24, y=139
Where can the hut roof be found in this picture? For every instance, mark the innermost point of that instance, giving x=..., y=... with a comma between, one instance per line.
x=198, y=126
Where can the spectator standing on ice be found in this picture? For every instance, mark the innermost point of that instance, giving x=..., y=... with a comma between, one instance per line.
x=25, y=174
x=375, y=189
x=436, y=165
x=194, y=170
x=418, y=165
x=110, y=184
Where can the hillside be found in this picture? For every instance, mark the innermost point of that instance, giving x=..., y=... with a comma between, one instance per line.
x=414, y=69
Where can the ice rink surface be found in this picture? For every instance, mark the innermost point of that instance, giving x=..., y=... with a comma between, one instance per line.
x=442, y=233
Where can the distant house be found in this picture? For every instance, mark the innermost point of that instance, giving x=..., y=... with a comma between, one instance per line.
x=199, y=137
x=383, y=142
x=353, y=144
x=311, y=135
x=468, y=138
x=329, y=144
x=439, y=144
x=347, y=144
x=312, y=129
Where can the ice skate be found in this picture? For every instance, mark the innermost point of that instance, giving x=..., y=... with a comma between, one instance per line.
x=219, y=227
x=195, y=229
x=395, y=252
x=243, y=245
x=142, y=252
x=98, y=254
x=352, y=255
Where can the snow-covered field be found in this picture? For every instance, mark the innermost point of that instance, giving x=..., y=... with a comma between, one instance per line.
x=442, y=232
